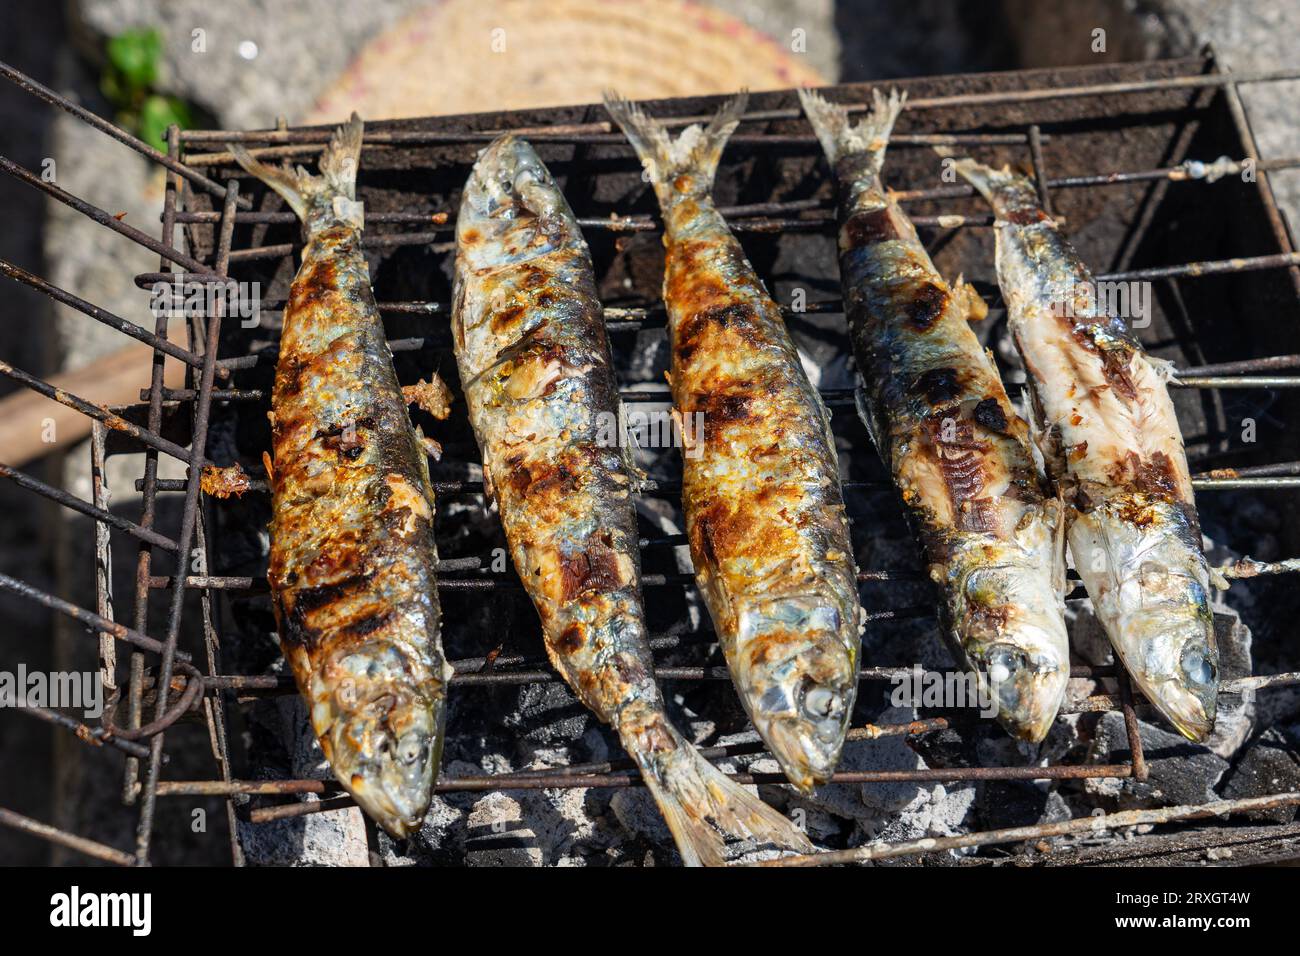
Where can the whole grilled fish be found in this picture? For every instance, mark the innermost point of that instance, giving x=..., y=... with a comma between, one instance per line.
x=761, y=489
x=352, y=549
x=535, y=364
x=1110, y=439
x=959, y=454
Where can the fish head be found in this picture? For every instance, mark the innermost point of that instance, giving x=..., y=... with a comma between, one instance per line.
x=1012, y=630
x=509, y=182
x=1179, y=674
x=1162, y=626
x=799, y=663
x=384, y=735
x=1025, y=672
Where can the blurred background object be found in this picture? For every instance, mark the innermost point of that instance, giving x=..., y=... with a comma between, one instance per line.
x=470, y=56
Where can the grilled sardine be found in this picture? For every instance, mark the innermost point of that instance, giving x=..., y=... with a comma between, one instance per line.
x=535, y=365
x=1109, y=436
x=761, y=489
x=352, y=550
x=940, y=417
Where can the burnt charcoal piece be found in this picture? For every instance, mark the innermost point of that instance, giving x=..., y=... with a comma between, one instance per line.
x=1271, y=764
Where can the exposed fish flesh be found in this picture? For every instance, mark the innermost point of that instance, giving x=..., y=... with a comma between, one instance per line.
x=1107, y=431
x=352, y=549
x=761, y=490
x=958, y=452
x=535, y=364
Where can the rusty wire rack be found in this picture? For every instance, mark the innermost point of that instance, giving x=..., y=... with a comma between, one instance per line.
x=194, y=682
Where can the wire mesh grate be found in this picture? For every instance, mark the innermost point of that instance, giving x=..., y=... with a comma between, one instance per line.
x=164, y=684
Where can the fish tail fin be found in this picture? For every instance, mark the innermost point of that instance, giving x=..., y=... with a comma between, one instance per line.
x=694, y=152
x=984, y=178
x=1004, y=188
x=333, y=189
x=839, y=137
x=704, y=808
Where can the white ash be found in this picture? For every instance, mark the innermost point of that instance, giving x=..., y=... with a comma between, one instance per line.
x=332, y=838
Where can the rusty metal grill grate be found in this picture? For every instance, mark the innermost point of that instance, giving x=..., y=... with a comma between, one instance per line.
x=1087, y=120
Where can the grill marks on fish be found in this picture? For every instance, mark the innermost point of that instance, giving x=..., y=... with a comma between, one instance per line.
x=868, y=227
x=926, y=305
x=933, y=388
x=1100, y=395
x=941, y=420
x=353, y=559
x=1111, y=441
x=534, y=359
x=760, y=491
x=766, y=464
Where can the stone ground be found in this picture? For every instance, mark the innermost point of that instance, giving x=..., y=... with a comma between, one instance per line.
x=296, y=58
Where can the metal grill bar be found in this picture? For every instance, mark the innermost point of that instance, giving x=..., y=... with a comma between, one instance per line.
x=98, y=412
x=1098, y=824
x=144, y=557
x=144, y=832
x=89, y=618
x=103, y=218
x=25, y=82
x=86, y=508
x=99, y=851
x=577, y=133
x=100, y=315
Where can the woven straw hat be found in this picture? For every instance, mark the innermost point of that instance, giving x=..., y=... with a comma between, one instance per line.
x=463, y=56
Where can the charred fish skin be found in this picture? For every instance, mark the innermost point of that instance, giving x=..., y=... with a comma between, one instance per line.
x=1111, y=441
x=958, y=452
x=534, y=360
x=761, y=490
x=353, y=558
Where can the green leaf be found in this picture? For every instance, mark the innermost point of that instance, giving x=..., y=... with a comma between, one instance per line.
x=135, y=55
x=158, y=113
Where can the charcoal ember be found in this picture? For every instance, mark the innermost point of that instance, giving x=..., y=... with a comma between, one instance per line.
x=1087, y=638
x=642, y=833
x=440, y=841
x=994, y=747
x=1018, y=803
x=564, y=827
x=1269, y=765
x=646, y=362
x=1063, y=739
x=824, y=829
x=945, y=748
x=1179, y=771
x=548, y=714
x=866, y=801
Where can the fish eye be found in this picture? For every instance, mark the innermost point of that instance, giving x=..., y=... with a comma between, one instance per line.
x=820, y=702
x=1197, y=666
x=1003, y=661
